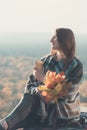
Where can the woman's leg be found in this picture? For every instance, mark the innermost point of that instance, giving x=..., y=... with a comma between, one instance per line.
x=22, y=110
x=31, y=121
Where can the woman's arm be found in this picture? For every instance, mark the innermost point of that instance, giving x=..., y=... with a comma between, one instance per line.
x=35, y=80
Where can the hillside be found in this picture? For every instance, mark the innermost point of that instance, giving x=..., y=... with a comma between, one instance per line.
x=14, y=71
x=18, y=52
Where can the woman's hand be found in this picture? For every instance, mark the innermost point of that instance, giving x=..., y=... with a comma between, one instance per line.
x=45, y=96
x=39, y=74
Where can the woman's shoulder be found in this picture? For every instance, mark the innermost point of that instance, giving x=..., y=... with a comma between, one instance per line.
x=77, y=66
x=79, y=62
x=45, y=57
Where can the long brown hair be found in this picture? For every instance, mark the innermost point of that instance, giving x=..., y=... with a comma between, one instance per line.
x=66, y=40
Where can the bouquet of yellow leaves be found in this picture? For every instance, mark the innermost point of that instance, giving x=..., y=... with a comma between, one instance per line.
x=54, y=85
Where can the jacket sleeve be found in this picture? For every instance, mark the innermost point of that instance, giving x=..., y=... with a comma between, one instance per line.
x=76, y=74
x=31, y=85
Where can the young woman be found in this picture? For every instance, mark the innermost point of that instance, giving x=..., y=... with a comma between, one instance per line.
x=32, y=111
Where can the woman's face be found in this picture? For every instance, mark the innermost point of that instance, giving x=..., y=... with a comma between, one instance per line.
x=54, y=43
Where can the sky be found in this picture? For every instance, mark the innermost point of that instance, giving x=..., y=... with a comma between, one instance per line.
x=43, y=15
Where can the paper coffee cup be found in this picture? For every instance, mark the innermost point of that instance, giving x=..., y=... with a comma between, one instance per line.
x=39, y=64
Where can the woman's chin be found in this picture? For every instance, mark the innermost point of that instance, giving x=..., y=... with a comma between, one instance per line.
x=53, y=51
